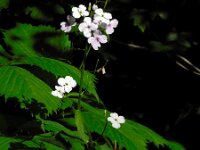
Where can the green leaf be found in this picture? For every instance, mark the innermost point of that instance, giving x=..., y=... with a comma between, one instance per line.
x=1, y=49
x=4, y=4
x=159, y=47
x=38, y=13
x=61, y=69
x=5, y=142
x=2, y=58
x=75, y=143
x=50, y=146
x=139, y=22
x=20, y=83
x=25, y=39
x=65, y=103
x=31, y=144
x=131, y=135
x=102, y=147
x=175, y=146
x=80, y=126
x=57, y=127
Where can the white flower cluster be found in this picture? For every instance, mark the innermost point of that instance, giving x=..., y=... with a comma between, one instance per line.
x=96, y=24
x=116, y=120
x=65, y=85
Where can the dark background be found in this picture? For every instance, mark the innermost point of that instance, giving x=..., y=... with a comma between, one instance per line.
x=148, y=85
x=145, y=84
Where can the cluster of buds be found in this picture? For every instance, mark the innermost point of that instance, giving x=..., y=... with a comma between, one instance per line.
x=65, y=85
x=96, y=25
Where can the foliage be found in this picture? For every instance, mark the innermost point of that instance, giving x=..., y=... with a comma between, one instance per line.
x=32, y=56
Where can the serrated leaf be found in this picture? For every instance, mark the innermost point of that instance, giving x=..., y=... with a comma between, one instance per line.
x=57, y=127
x=28, y=40
x=61, y=69
x=5, y=142
x=131, y=135
x=80, y=126
x=20, y=83
x=66, y=104
x=175, y=146
x=4, y=4
x=2, y=58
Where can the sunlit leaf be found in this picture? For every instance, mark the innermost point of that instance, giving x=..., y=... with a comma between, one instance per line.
x=131, y=135
x=81, y=126
x=6, y=141
x=20, y=83
x=56, y=127
x=61, y=69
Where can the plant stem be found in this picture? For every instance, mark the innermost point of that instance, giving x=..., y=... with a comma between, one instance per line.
x=106, y=2
x=82, y=67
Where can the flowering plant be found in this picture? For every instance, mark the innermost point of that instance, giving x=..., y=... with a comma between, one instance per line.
x=67, y=114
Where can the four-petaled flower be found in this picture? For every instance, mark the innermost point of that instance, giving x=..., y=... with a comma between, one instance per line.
x=96, y=40
x=65, y=85
x=77, y=12
x=116, y=120
x=94, y=23
x=110, y=26
x=87, y=26
x=65, y=27
x=59, y=92
x=102, y=17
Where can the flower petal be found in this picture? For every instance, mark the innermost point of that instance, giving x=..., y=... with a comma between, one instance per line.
x=61, y=81
x=107, y=15
x=82, y=7
x=87, y=33
x=82, y=26
x=110, y=119
x=114, y=115
x=103, y=39
x=109, y=30
x=114, y=23
x=121, y=119
x=99, y=11
x=76, y=14
x=116, y=125
x=68, y=88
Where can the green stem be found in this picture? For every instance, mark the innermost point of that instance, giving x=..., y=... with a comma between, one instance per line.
x=82, y=67
x=106, y=2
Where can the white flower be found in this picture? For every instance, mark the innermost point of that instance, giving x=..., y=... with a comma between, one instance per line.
x=116, y=120
x=96, y=40
x=87, y=26
x=65, y=27
x=68, y=83
x=101, y=16
x=59, y=92
x=94, y=7
x=77, y=12
x=110, y=27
